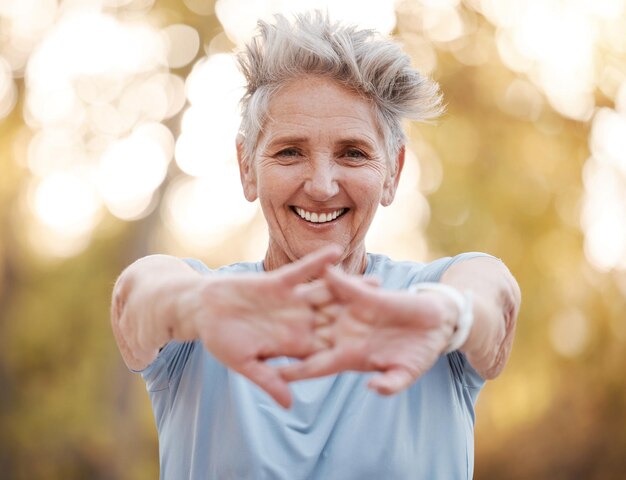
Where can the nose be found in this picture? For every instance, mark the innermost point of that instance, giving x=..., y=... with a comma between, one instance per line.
x=321, y=184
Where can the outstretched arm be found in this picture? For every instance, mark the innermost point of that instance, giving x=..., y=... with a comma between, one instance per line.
x=496, y=298
x=241, y=319
x=401, y=334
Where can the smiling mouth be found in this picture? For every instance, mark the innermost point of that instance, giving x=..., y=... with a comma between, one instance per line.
x=314, y=217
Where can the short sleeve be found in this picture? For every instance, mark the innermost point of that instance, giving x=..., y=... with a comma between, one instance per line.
x=197, y=265
x=168, y=365
x=433, y=271
x=464, y=372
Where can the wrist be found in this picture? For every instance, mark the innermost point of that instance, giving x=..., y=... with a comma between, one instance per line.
x=462, y=307
x=185, y=307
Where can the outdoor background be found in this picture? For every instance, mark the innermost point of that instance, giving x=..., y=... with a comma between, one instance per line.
x=117, y=126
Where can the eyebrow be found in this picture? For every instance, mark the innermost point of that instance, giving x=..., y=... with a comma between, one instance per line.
x=358, y=141
x=286, y=139
x=344, y=142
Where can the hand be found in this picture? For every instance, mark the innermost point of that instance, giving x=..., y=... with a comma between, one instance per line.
x=245, y=319
x=400, y=334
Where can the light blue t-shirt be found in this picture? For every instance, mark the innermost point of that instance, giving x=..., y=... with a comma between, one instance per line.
x=214, y=423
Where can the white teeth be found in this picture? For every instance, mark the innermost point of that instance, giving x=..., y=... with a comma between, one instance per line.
x=319, y=217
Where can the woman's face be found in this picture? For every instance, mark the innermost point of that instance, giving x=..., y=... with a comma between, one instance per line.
x=320, y=171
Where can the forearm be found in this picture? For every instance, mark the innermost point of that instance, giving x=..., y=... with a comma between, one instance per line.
x=496, y=300
x=146, y=307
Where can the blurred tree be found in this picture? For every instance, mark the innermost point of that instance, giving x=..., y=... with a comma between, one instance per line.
x=511, y=185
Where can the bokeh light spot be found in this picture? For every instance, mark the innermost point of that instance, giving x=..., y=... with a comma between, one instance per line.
x=202, y=212
x=209, y=127
x=8, y=90
x=53, y=149
x=523, y=100
x=183, y=42
x=66, y=202
x=239, y=17
x=131, y=170
x=569, y=332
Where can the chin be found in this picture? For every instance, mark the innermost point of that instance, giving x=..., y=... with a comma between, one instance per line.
x=310, y=247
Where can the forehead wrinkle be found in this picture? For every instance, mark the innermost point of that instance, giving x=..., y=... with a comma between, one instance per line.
x=304, y=131
x=360, y=139
x=303, y=120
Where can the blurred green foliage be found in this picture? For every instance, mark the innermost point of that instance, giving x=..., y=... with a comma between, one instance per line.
x=512, y=187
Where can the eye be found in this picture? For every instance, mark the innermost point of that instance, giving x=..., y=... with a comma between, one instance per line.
x=288, y=152
x=355, y=154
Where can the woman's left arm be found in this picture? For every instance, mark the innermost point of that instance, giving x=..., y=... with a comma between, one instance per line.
x=402, y=334
x=496, y=302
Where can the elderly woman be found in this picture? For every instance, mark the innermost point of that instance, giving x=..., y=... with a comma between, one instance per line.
x=395, y=353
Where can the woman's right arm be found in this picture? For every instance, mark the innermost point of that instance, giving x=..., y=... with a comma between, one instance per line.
x=148, y=307
x=241, y=319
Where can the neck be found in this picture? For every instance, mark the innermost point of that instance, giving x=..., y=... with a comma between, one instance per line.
x=353, y=262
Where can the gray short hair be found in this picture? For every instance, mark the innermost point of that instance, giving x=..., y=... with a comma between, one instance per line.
x=361, y=60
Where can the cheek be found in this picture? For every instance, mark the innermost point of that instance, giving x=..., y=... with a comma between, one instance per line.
x=367, y=187
x=275, y=185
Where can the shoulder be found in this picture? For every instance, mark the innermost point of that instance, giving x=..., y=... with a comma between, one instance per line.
x=400, y=274
x=240, y=267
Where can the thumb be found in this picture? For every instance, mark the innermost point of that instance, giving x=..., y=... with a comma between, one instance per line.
x=310, y=266
x=392, y=381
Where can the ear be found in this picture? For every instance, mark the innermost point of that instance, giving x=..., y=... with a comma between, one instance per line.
x=391, y=184
x=246, y=172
